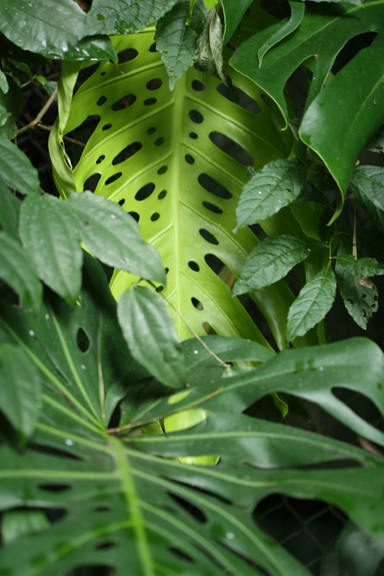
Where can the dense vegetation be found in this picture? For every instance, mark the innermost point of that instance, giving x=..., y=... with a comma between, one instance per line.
x=170, y=302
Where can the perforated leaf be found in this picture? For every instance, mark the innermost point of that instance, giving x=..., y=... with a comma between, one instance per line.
x=165, y=157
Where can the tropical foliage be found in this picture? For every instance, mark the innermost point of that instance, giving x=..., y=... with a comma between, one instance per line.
x=160, y=319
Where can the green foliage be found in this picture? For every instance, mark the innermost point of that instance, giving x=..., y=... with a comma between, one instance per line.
x=215, y=193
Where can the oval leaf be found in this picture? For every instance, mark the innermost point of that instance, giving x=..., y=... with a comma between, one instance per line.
x=16, y=169
x=151, y=335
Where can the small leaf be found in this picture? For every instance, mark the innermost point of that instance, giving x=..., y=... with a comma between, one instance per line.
x=8, y=128
x=286, y=28
x=3, y=82
x=271, y=260
x=20, y=389
x=113, y=236
x=360, y=300
x=16, y=523
x=360, y=267
x=209, y=47
x=312, y=304
x=271, y=188
x=16, y=169
x=50, y=233
x=175, y=41
x=17, y=270
x=9, y=211
x=368, y=186
x=151, y=335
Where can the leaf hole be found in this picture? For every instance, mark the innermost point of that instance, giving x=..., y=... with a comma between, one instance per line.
x=153, y=47
x=212, y=208
x=180, y=554
x=208, y=236
x=102, y=509
x=193, y=135
x=92, y=182
x=121, y=202
x=124, y=102
x=214, y=187
x=100, y=159
x=102, y=73
x=194, y=266
x=231, y=148
x=127, y=55
x=215, y=264
x=55, y=487
x=208, y=329
x=105, y=545
x=197, y=85
x=267, y=100
x=90, y=569
x=113, y=178
x=150, y=101
x=154, y=84
x=102, y=100
x=195, y=512
x=239, y=97
x=166, y=271
x=196, y=116
x=162, y=194
x=106, y=127
x=127, y=152
x=162, y=170
x=155, y=216
x=151, y=130
x=145, y=192
x=190, y=159
x=197, y=304
x=82, y=340
x=135, y=216
x=159, y=141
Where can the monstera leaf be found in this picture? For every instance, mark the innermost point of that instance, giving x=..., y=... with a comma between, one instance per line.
x=176, y=161
x=111, y=499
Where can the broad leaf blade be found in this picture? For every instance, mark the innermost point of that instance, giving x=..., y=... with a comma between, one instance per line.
x=360, y=267
x=113, y=236
x=9, y=211
x=49, y=232
x=16, y=169
x=271, y=260
x=33, y=28
x=17, y=270
x=20, y=389
x=151, y=336
x=269, y=190
x=312, y=304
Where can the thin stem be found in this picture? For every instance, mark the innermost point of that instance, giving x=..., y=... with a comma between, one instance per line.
x=44, y=109
x=72, y=140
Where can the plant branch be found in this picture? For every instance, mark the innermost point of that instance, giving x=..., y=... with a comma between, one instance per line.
x=67, y=138
x=32, y=125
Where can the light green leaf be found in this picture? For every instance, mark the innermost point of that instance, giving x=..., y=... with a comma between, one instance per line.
x=286, y=28
x=9, y=211
x=16, y=169
x=151, y=336
x=360, y=267
x=175, y=41
x=49, y=232
x=3, y=83
x=271, y=260
x=124, y=16
x=312, y=303
x=271, y=188
x=31, y=27
x=20, y=389
x=17, y=270
x=368, y=186
x=113, y=236
x=18, y=523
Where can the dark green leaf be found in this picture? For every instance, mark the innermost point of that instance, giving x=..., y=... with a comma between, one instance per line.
x=8, y=128
x=368, y=186
x=151, y=335
x=287, y=26
x=354, y=554
x=360, y=267
x=3, y=83
x=13, y=100
x=209, y=47
x=32, y=27
x=271, y=260
x=14, y=53
x=124, y=16
x=360, y=297
x=271, y=188
x=233, y=13
x=17, y=523
x=112, y=235
x=376, y=143
x=20, y=389
x=338, y=133
x=9, y=211
x=16, y=169
x=312, y=304
x=175, y=41
x=50, y=233
x=17, y=270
